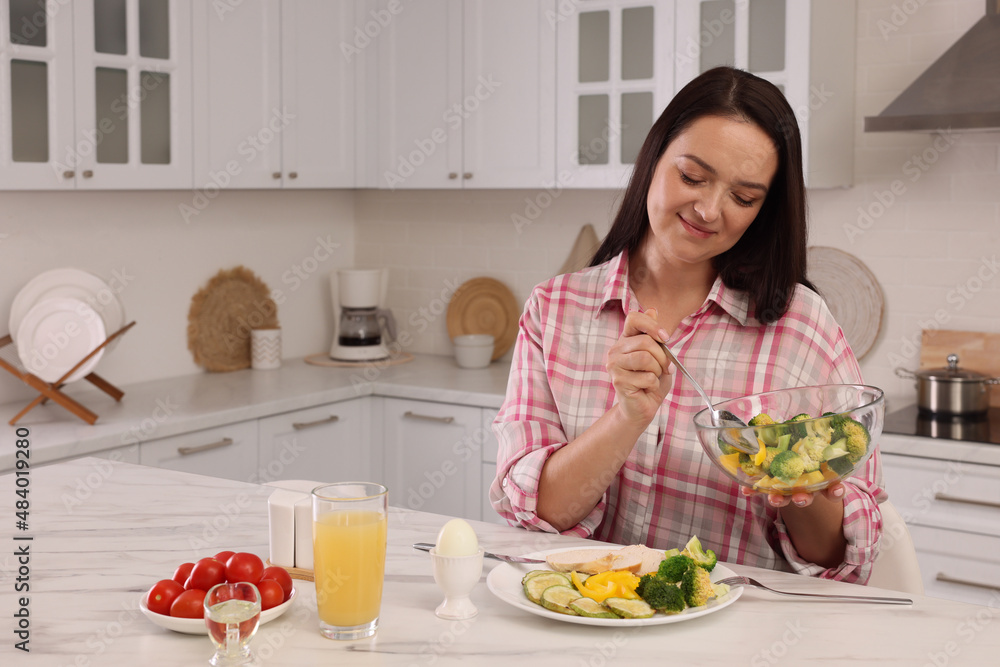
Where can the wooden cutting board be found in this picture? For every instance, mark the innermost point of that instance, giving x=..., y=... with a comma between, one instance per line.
x=977, y=351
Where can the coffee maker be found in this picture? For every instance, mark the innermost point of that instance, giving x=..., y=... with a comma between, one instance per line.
x=363, y=327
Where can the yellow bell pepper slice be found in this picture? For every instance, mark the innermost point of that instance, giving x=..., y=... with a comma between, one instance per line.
x=730, y=462
x=600, y=587
x=761, y=454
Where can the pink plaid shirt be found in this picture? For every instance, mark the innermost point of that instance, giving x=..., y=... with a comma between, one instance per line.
x=668, y=489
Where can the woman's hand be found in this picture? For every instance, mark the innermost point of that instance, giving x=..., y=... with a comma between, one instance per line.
x=640, y=371
x=834, y=493
x=814, y=521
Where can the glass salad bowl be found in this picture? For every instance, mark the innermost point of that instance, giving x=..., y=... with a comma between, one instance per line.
x=803, y=439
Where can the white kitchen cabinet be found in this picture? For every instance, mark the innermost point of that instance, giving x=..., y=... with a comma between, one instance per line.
x=805, y=47
x=615, y=77
x=228, y=451
x=329, y=443
x=432, y=456
x=489, y=465
x=464, y=95
x=95, y=94
x=274, y=94
x=952, y=509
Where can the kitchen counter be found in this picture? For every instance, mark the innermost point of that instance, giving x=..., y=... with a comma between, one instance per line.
x=161, y=408
x=91, y=561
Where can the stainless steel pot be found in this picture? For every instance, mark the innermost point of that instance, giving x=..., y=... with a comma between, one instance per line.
x=951, y=390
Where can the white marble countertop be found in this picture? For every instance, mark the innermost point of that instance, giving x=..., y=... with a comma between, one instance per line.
x=92, y=558
x=204, y=400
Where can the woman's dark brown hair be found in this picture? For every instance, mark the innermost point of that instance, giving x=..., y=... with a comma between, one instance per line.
x=770, y=257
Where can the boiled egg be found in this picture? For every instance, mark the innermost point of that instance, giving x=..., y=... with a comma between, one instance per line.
x=457, y=539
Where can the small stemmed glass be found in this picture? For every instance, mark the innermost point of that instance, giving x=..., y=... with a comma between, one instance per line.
x=232, y=614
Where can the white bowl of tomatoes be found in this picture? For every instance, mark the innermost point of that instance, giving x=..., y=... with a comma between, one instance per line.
x=178, y=603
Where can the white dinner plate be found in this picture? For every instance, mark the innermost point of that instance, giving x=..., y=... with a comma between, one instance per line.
x=196, y=626
x=505, y=582
x=73, y=284
x=55, y=335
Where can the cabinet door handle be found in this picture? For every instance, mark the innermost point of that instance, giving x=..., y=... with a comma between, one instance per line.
x=453, y=175
x=69, y=173
x=430, y=418
x=941, y=576
x=184, y=451
x=276, y=175
x=966, y=501
x=87, y=173
x=293, y=174
x=467, y=175
x=298, y=426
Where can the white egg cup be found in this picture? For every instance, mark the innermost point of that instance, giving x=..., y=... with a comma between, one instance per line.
x=457, y=576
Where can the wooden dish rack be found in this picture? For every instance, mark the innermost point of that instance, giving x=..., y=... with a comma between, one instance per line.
x=53, y=390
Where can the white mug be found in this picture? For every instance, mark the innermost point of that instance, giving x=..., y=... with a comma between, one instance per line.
x=265, y=349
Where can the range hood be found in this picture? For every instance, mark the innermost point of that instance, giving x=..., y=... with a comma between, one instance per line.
x=960, y=91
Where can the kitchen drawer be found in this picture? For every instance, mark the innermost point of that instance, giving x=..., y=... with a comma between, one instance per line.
x=330, y=443
x=227, y=451
x=944, y=494
x=946, y=556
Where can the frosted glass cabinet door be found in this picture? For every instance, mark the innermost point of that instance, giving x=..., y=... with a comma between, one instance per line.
x=615, y=76
x=133, y=94
x=36, y=95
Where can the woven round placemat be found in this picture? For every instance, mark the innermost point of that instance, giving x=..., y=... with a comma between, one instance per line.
x=852, y=293
x=222, y=314
x=484, y=306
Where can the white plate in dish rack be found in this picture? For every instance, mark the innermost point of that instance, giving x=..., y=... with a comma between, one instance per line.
x=72, y=284
x=504, y=581
x=56, y=334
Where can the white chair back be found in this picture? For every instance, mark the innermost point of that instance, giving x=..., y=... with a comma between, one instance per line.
x=896, y=567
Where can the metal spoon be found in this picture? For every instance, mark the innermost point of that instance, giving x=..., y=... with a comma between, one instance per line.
x=720, y=418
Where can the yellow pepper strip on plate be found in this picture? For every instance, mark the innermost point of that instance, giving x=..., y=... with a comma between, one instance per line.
x=613, y=584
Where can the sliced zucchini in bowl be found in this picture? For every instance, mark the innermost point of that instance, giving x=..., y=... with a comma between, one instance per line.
x=629, y=608
x=591, y=608
x=558, y=598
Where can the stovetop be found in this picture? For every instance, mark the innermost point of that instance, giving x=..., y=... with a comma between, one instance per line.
x=910, y=421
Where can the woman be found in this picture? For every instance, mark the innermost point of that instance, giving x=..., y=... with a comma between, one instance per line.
x=707, y=253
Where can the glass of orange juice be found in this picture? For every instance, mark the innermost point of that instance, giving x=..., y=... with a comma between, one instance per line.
x=349, y=532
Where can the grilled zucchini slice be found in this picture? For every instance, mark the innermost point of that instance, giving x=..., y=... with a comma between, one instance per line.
x=558, y=599
x=591, y=608
x=534, y=587
x=629, y=608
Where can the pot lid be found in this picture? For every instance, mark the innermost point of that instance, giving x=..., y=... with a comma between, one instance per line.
x=952, y=373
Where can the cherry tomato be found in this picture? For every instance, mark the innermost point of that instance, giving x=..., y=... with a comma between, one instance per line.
x=280, y=575
x=224, y=556
x=271, y=594
x=206, y=573
x=162, y=595
x=244, y=566
x=182, y=573
x=189, y=604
